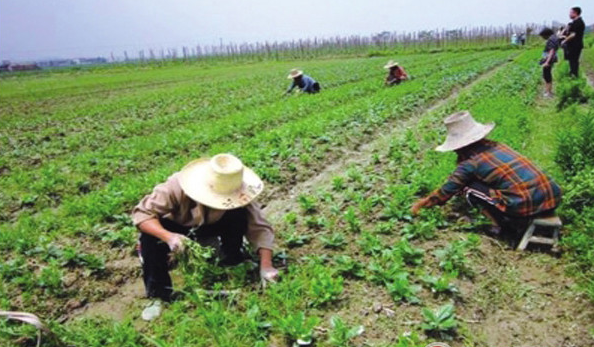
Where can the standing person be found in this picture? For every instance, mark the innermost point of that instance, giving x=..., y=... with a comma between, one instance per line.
x=396, y=73
x=522, y=39
x=207, y=198
x=305, y=83
x=574, y=41
x=508, y=188
x=549, y=58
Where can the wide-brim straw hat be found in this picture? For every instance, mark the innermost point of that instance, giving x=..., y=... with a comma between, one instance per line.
x=295, y=73
x=391, y=64
x=221, y=182
x=463, y=130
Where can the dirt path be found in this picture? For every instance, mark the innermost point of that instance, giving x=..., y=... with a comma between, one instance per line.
x=129, y=296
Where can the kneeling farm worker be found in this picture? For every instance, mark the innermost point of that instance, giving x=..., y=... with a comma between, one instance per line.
x=305, y=83
x=207, y=198
x=508, y=188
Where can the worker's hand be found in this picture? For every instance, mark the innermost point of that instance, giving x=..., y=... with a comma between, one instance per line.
x=424, y=202
x=268, y=274
x=175, y=242
x=546, y=65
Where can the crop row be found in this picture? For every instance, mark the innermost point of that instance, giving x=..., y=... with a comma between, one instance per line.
x=318, y=135
x=89, y=170
x=352, y=245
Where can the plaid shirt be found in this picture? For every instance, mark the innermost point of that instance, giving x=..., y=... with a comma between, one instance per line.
x=516, y=186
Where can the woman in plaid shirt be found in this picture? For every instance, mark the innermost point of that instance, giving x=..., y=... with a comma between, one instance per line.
x=507, y=186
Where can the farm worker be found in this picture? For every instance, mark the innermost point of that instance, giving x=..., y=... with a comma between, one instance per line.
x=305, y=83
x=207, y=198
x=549, y=58
x=508, y=188
x=574, y=41
x=396, y=73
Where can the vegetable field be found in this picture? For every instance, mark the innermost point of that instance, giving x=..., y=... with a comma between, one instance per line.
x=342, y=168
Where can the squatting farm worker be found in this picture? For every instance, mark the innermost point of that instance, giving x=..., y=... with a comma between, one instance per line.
x=508, y=188
x=305, y=83
x=207, y=198
x=549, y=58
x=396, y=73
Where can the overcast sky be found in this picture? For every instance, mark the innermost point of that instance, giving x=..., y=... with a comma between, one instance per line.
x=31, y=29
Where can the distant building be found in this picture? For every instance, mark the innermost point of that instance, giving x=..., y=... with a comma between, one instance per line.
x=7, y=67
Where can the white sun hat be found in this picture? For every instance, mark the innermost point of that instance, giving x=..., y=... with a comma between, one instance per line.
x=221, y=182
x=295, y=73
x=391, y=64
x=463, y=130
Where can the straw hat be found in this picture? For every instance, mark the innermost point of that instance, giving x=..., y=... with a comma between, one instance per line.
x=295, y=73
x=391, y=64
x=220, y=182
x=463, y=130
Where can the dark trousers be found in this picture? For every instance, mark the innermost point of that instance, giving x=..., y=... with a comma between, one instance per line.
x=573, y=57
x=477, y=195
x=547, y=74
x=155, y=253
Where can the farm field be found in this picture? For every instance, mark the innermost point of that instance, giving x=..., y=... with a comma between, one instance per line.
x=342, y=168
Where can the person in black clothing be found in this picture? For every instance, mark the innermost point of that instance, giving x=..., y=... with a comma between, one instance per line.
x=549, y=58
x=573, y=43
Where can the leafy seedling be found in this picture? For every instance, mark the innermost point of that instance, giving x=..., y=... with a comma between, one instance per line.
x=352, y=220
x=308, y=203
x=297, y=328
x=341, y=334
x=410, y=255
x=402, y=290
x=349, y=267
x=370, y=244
x=441, y=284
x=296, y=239
x=334, y=241
x=440, y=323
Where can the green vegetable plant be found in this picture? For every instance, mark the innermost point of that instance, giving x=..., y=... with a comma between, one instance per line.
x=308, y=203
x=349, y=267
x=296, y=327
x=341, y=335
x=440, y=323
x=441, y=284
x=335, y=240
x=402, y=290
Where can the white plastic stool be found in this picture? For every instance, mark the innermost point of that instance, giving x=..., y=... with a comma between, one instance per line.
x=544, y=231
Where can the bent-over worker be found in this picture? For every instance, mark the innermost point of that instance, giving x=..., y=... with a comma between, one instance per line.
x=207, y=198
x=305, y=83
x=508, y=188
x=396, y=73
